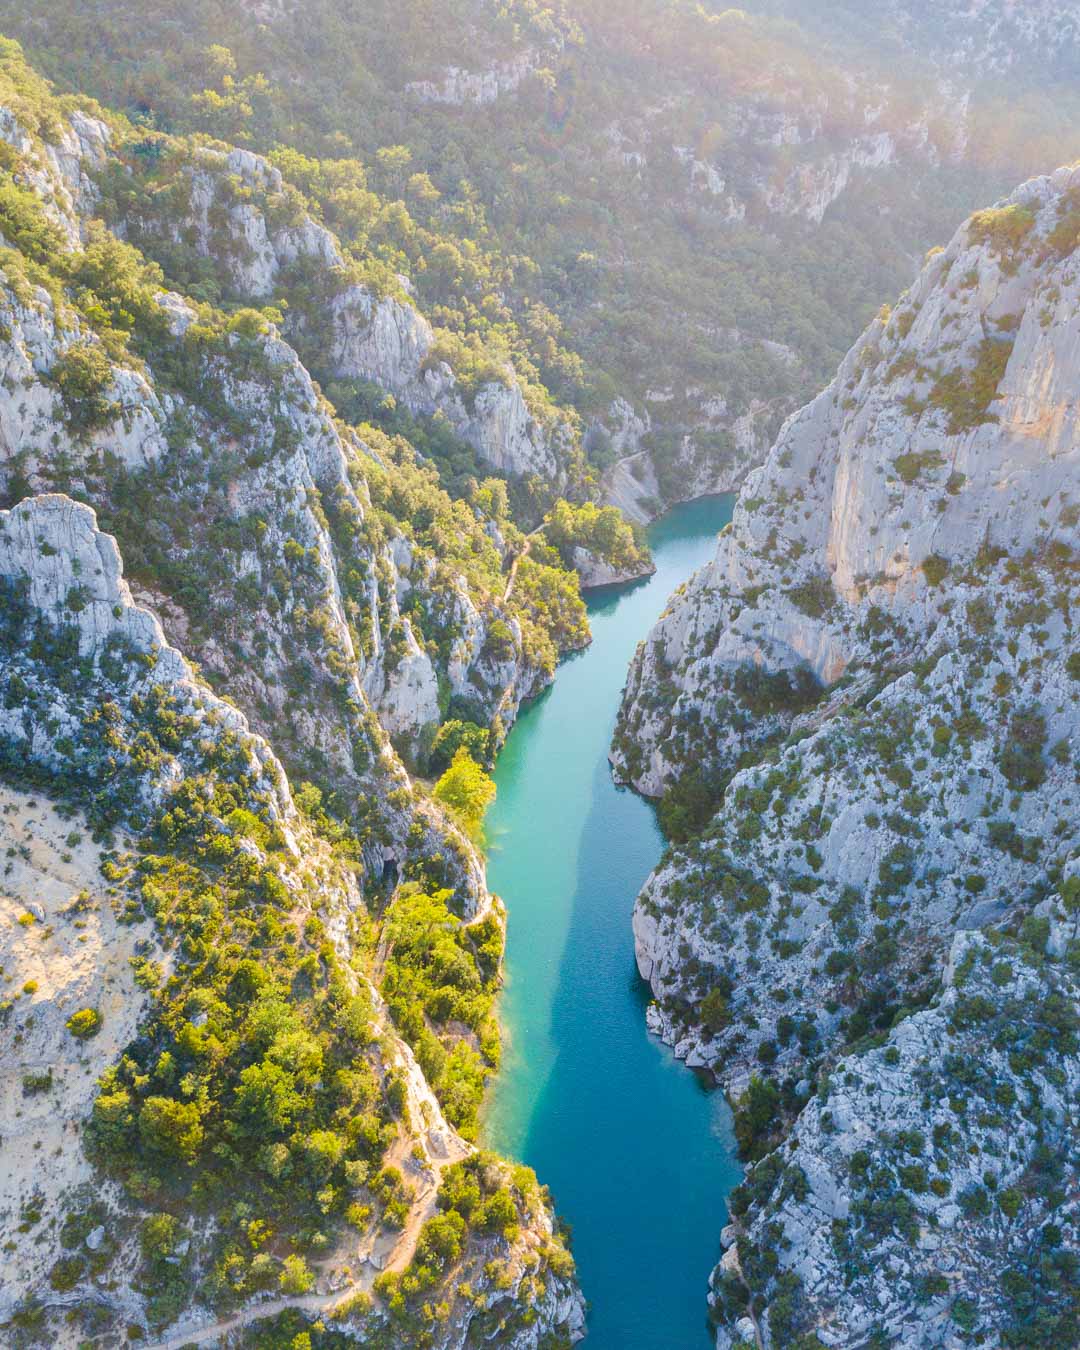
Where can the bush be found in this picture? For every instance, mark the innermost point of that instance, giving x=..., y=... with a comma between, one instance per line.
x=295, y=1277
x=603, y=531
x=84, y=1023
x=1021, y=760
x=1004, y=228
x=67, y=1272
x=171, y=1128
x=935, y=569
x=83, y=376
x=965, y=396
x=910, y=466
x=815, y=597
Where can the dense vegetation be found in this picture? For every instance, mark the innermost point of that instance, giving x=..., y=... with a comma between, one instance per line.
x=560, y=233
x=601, y=531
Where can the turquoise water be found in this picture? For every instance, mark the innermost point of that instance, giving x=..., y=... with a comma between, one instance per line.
x=639, y=1157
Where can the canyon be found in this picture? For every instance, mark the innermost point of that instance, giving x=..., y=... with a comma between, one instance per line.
x=351, y=440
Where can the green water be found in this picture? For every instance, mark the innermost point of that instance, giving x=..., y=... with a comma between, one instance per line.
x=639, y=1157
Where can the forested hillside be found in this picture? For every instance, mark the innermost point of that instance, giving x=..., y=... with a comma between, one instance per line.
x=249, y=998
x=561, y=183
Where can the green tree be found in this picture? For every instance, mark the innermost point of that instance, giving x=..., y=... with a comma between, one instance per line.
x=267, y=1099
x=171, y=1127
x=455, y=735
x=467, y=791
x=83, y=377
x=295, y=1277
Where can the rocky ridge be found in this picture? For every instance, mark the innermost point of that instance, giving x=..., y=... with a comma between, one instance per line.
x=863, y=718
x=78, y=654
x=240, y=215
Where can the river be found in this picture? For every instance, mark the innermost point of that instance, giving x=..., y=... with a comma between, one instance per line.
x=639, y=1156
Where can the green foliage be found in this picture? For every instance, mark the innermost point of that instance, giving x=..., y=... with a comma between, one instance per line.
x=757, y=1116
x=911, y=465
x=1004, y=228
x=456, y=735
x=169, y=1128
x=714, y=1011
x=688, y=805
x=1021, y=759
x=815, y=596
x=601, y=530
x=84, y=1023
x=295, y=1278
x=440, y=978
x=935, y=569
x=84, y=377
x=24, y=225
x=766, y=693
x=467, y=791
x=965, y=396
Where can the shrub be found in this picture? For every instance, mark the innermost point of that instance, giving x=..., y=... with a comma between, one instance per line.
x=965, y=395
x=603, y=531
x=295, y=1277
x=1004, y=228
x=781, y=691
x=248, y=323
x=935, y=568
x=815, y=597
x=84, y=1023
x=910, y=466
x=1021, y=760
x=83, y=376
x=66, y=1273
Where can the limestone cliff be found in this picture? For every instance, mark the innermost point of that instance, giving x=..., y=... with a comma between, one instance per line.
x=863, y=716
x=237, y=212
x=332, y=600
x=103, y=714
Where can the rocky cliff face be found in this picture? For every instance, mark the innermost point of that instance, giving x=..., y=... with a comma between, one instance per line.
x=927, y=1192
x=341, y=606
x=990, y=36
x=865, y=711
x=370, y=619
x=101, y=711
x=238, y=213
x=957, y=396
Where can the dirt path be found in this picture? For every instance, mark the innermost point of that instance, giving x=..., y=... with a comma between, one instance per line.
x=394, y=1256
x=389, y=1250
x=513, y=570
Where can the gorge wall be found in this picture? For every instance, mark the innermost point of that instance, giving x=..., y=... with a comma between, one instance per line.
x=863, y=717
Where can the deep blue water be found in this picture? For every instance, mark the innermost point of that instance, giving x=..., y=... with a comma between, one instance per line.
x=639, y=1156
